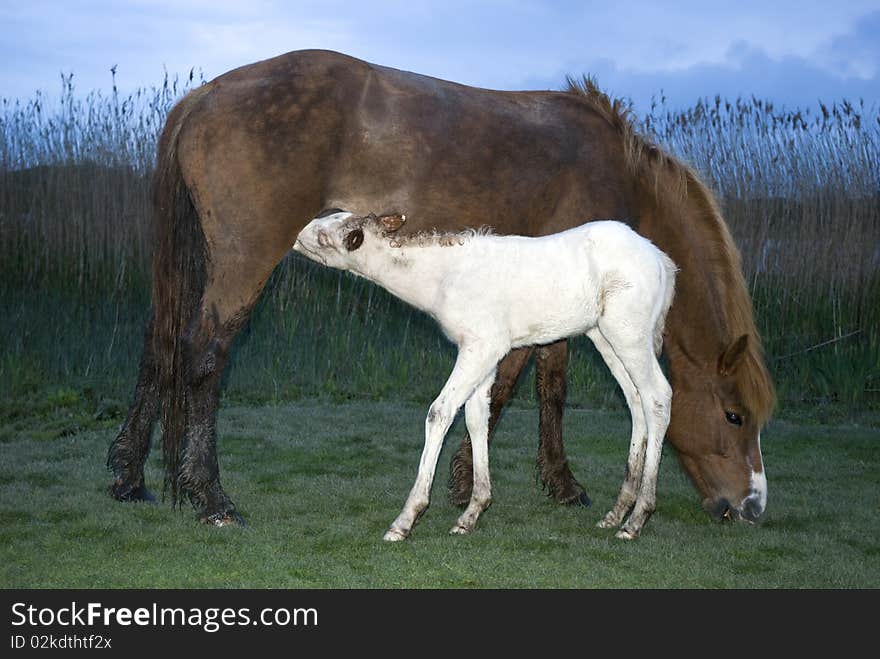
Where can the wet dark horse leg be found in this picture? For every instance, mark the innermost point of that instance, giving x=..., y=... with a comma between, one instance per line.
x=128, y=452
x=552, y=380
x=206, y=347
x=552, y=366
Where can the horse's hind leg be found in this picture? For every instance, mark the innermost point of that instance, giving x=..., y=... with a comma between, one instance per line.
x=206, y=346
x=552, y=379
x=461, y=468
x=128, y=452
x=638, y=438
x=476, y=414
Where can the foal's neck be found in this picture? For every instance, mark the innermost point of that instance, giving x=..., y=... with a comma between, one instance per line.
x=412, y=273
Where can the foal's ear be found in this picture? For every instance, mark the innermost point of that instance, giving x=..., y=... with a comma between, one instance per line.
x=731, y=358
x=354, y=239
x=392, y=223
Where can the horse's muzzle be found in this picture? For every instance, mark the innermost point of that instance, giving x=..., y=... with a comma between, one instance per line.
x=750, y=511
x=752, y=508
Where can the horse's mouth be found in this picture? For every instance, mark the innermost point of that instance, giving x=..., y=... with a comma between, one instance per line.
x=722, y=511
x=300, y=246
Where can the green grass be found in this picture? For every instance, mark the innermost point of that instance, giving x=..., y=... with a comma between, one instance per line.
x=320, y=481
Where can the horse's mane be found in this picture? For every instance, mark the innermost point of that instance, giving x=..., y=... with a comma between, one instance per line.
x=667, y=179
x=435, y=237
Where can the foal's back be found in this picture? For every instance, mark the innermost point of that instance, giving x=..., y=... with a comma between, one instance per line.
x=546, y=288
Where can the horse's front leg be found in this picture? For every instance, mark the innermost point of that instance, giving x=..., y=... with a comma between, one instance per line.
x=551, y=376
x=472, y=367
x=476, y=414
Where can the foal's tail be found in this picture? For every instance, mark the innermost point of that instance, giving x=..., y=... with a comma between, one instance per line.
x=667, y=278
x=179, y=260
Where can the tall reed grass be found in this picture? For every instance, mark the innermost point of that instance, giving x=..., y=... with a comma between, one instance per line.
x=800, y=189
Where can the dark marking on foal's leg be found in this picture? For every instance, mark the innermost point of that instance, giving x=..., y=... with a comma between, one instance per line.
x=552, y=465
x=128, y=452
x=461, y=474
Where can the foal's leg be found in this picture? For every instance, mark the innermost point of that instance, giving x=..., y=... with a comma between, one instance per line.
x=635, y=350
x=476, y=414
x=656, y=395
x=128, y=452
x=461, y=468
x=551, y=379
x=473, y=365
x=638, y=438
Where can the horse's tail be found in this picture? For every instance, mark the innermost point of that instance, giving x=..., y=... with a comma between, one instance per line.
x=667, y=276
x=179, y=266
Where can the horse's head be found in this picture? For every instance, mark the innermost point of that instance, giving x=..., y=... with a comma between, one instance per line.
x=716, y=430
x=334, y=237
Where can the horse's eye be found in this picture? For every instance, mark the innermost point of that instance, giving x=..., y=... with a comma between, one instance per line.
x=734, y=418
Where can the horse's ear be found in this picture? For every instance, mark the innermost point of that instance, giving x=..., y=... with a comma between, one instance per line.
x=391, y=223
x=732, y=356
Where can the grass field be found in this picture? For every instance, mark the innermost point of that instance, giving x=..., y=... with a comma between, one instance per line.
x=320, y=481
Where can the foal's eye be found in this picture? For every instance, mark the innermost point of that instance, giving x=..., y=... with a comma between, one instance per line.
x=734, y=418
x=354, y=239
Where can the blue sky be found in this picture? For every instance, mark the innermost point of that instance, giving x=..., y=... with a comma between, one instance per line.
x=793, y=53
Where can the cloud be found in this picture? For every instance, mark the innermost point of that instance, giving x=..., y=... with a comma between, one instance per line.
x=856, y=54
x=793, y=51
x=846, y=66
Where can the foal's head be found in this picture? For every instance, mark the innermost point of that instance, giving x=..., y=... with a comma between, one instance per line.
x=334, y=237
x=716, y=430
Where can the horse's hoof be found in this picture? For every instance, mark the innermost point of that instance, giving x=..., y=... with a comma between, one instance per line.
x=570, y=495
x=122, y=491
x=583, y=500
x=460, y=529
x=626, y=534
x=225, y=518
x=394, y=535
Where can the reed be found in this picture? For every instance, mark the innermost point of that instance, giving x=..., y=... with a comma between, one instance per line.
x=800, y=189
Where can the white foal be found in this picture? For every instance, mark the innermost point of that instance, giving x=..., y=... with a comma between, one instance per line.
x=493, y=293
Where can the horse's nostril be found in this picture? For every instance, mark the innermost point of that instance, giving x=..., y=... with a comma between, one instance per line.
x=752, y=509
x=720, y=509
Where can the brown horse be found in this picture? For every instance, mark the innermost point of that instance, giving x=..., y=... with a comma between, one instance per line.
x=246, y=160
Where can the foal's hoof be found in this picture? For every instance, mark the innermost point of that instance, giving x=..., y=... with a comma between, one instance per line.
x=626, y=534
x=225, y=518
x=122, y=491
x=610, y=521
x=460, y=529
x=394, y=535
